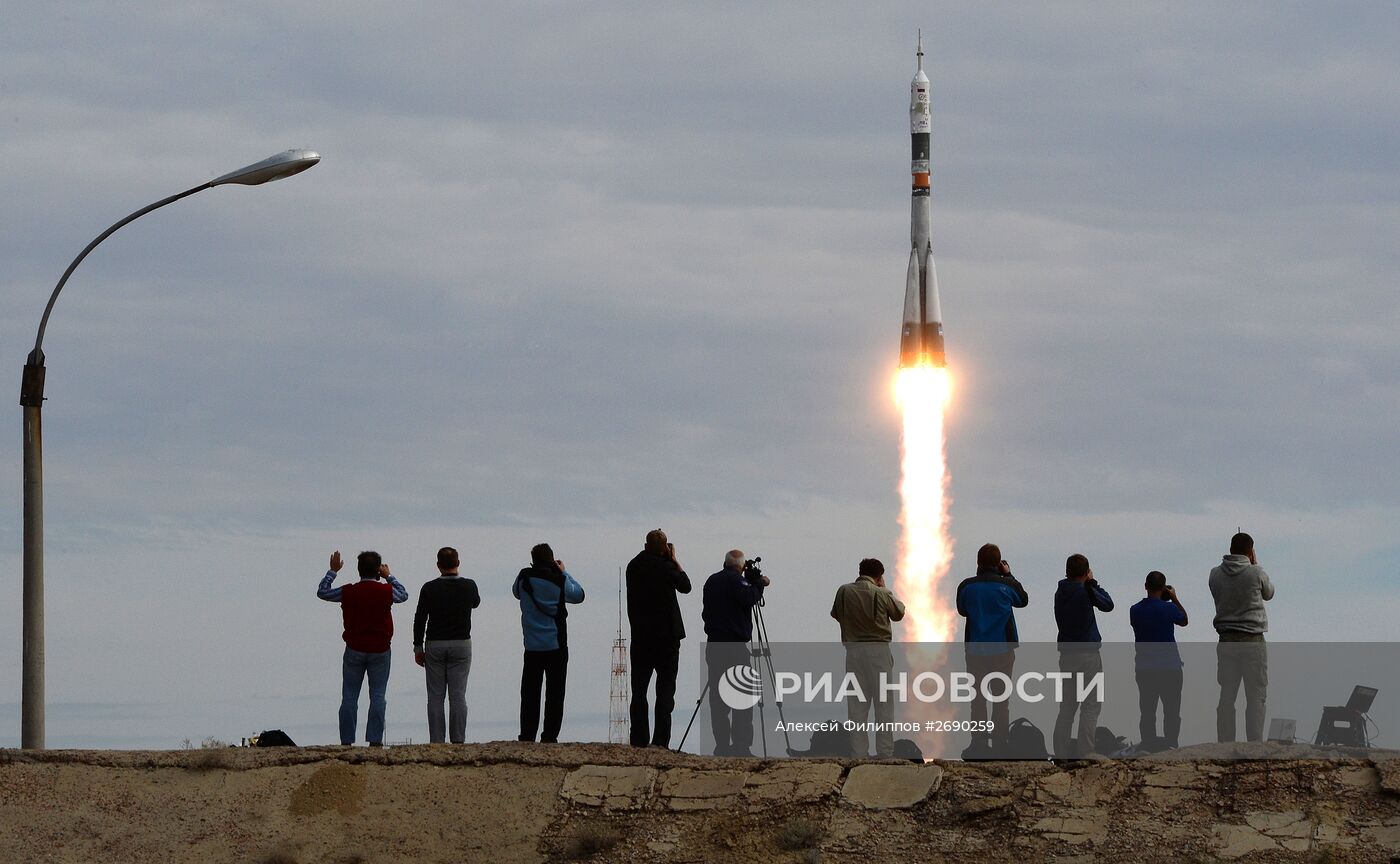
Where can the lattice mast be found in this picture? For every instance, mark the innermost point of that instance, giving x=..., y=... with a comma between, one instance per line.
x=619, y=696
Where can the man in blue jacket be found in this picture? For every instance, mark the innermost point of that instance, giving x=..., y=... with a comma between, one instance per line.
x=1157, y=662
x=544, y=589
x=1076, y=598
x=986, y=601
x=728, y=600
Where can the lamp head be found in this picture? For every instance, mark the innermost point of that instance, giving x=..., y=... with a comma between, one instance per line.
x=284, y=164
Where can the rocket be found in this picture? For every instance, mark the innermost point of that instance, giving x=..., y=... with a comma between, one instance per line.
x=921, y=338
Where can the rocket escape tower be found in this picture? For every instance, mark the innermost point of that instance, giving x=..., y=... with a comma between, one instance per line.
x=619, y=697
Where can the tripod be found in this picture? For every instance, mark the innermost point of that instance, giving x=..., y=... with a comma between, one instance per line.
x=760, y=652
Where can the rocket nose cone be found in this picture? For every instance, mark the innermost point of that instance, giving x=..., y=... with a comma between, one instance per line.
x=921, y=78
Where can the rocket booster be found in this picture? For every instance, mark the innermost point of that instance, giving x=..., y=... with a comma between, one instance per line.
x=921, y=338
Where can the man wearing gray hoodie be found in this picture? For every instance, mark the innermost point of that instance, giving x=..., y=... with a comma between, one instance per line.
x=1240, y=588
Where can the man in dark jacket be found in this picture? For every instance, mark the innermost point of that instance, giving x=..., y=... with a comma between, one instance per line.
x=442, y=644
x=986, y=601
x=369, y=627
x=654, y=577
x=1076, y=598
x=544, y=590
x=728, y=600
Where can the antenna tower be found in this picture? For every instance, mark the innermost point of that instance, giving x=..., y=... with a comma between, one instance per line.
x=619, y=697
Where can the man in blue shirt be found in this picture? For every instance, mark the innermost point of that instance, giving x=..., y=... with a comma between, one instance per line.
x=728, y=600
x=986, y=601
x=1076, y=598
x=1158, y=663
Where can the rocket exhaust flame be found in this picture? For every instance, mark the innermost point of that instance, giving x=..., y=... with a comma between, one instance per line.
x=922, y=394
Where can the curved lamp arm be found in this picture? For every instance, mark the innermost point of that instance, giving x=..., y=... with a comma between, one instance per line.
x=283, y=164
x=37, y=355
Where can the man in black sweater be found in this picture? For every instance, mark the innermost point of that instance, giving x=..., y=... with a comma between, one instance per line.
x=445, y=650
x=654, y=578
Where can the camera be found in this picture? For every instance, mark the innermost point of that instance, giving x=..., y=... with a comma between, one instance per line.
x=751, y=571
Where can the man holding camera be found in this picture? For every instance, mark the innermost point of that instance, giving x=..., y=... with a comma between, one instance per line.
x=864, y=608
x=727, y=603
x=369, y=626
x=654, y=578
x=1240, y=588
x=544, y=590
x=1157, y=662
x=1079, y=642
x=987, y=601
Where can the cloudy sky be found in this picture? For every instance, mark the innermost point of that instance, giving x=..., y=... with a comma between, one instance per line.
x=572, y=271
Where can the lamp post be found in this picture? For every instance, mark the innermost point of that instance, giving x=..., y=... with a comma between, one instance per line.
x=32, y=398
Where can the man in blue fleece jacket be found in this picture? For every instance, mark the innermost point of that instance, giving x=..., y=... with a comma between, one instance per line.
x=986, y=601
x=544, y=589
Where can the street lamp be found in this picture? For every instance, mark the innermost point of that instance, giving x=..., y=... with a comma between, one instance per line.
x=32, y=398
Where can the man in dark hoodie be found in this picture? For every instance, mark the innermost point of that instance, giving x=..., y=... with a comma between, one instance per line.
x=986, y=601
x=544, y=590
x=654, y=578
x=1076, y=598
x=1240, y=588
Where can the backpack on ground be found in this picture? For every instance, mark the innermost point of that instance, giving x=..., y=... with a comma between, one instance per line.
x=273, y=738
x=1023, y=741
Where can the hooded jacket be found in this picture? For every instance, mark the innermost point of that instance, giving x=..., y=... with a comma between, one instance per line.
x=543, y=595
x=1240, y=590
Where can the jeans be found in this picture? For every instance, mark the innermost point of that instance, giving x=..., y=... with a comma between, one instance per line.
x=1085, y=662
x=980, y=666
x=1160, y=685
x=1241, y=658
x=733, y=728
x=549, y=668
x=663, y=659
x=354, y=668
x=870, y=663
x=447, y=665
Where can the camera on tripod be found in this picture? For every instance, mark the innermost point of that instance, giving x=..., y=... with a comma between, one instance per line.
x=751, y=571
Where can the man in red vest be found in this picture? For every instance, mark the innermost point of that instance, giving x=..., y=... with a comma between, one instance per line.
x=369, y=626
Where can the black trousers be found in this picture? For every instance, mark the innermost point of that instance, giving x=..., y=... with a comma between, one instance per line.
x=1160, y=685
x=661, y=659
x=550, y=667
x=733, y=729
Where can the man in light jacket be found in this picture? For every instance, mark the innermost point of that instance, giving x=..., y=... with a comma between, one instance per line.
x=1240, y=588
x=544, y=589
x=864, y=609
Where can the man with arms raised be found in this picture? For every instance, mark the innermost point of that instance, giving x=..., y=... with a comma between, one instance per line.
x=369, y=626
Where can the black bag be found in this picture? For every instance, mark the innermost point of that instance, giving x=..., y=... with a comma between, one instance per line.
x=830, y=741
x=273, y=738
x=1024, y=741
x=1108, y=744
x=905, y=748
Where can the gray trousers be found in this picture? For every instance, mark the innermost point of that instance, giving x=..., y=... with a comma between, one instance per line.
x=447, y=664
x=1087, y=662
x=867, y=661
x=1241, y=658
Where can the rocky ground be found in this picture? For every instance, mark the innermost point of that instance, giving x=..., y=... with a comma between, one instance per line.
x=508, y=802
